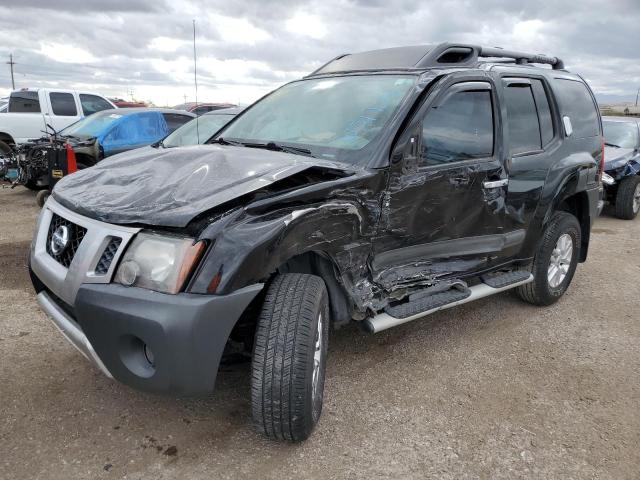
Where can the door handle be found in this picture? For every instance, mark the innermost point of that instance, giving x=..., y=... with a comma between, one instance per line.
x=460, y=180
x=496, y=183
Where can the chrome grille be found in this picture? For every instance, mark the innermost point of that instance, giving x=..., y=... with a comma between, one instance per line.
x=107, y=256
x=76, y=234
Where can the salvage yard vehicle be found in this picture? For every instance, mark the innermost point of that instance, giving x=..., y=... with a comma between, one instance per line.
x=199, y=108
x=383, y=187
x=621, y=177
x=200, y=129
x=98, y=136
x=29, y=111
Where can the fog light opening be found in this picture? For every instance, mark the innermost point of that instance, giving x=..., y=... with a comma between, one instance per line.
x=137, y=356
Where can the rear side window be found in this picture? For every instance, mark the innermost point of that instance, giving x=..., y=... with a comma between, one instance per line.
x=522, y=119
x=461, y=128
x=63, y=104
x=544, y=112
x=576, y=102
x=175, y=120
x=93, y=103
x=24, y=102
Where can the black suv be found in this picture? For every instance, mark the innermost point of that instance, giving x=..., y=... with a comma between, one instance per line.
x=383, y=187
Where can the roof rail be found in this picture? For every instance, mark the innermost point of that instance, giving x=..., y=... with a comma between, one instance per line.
x=521, y=58
x=429, y=56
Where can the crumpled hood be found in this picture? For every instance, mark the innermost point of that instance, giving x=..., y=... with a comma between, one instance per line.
x=615, y=157
x=169, y=187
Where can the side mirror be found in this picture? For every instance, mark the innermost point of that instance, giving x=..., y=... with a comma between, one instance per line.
x=568, y=128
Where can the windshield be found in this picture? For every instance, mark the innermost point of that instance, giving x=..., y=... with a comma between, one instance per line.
x=331, y=117
x=92, y=125
x=621, y=134
x=203, y=127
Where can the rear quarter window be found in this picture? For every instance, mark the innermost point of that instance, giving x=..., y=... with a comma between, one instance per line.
x=24, y=102
x=576, y=103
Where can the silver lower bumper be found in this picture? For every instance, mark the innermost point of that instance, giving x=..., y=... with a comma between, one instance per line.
x=71, y=331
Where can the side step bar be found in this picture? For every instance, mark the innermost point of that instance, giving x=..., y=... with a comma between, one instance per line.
x=383, y=321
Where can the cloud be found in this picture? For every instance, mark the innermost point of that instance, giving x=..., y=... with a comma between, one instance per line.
x=65, y=53
x=248, y=47
x=306, y=25
x=238, y=30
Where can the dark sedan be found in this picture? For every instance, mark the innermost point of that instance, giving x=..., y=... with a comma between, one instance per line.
x=622, y=168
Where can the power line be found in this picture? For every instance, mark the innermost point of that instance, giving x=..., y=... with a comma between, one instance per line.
x=11, y=63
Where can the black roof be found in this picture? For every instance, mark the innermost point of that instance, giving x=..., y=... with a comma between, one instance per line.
x=423, y=57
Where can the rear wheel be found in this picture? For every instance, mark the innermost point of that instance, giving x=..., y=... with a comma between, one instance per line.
x=555, y=262
x=289, y=357
x=628, y=198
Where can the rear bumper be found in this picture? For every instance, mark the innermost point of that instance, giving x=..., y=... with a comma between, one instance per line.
x=148, y=340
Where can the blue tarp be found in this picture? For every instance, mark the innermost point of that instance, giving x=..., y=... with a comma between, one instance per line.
x=132, y=131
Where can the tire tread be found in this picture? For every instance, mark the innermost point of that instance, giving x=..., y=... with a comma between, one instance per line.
x=285, y=333
x=624, y=198
x=537, y=291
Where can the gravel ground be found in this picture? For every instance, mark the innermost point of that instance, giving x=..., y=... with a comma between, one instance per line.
x=493, y=389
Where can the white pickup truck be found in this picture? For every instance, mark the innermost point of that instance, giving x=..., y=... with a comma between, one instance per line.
x=30, y=110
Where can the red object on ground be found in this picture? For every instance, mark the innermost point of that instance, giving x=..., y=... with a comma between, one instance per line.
x=72, y=166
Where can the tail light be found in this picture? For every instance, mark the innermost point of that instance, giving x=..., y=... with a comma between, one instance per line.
x=601, y=166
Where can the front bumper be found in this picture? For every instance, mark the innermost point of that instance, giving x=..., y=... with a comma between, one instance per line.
x=117, y=328
x=149, y=340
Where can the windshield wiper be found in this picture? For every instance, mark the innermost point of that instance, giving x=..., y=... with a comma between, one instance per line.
x=281, y=148
x=612, y=145
x=223, y=141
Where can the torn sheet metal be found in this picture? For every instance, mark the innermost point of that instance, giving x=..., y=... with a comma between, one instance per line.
x=170, y=187
x=335, y=218
x=621, y=162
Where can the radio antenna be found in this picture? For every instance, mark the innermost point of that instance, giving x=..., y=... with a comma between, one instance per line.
x=195, y=78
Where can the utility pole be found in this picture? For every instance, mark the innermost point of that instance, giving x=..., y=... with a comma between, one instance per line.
x=637, y=95
x=185, y=98
x=11, y=63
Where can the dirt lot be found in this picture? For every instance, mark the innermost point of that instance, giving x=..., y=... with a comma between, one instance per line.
x=495, y=389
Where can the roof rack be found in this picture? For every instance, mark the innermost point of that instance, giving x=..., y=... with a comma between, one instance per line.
x=429, y=56
x=521, y=58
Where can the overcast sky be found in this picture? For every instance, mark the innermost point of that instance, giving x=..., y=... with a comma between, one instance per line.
x=248, y=47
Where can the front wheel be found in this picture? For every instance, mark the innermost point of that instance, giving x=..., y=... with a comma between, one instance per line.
x=555, y=261
x=628, y=198
x=289, y=357
x=5, y=149
x=41, y=197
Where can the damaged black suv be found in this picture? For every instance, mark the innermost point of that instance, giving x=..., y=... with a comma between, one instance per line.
x=383, y=187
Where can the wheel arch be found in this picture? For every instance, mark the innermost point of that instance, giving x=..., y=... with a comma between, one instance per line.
x=577, y=204
x=320, y=263
x=312, y=262
x=7, y=138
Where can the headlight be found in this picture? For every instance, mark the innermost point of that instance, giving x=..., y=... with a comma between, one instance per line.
x=607, y=179
x=159, y=262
